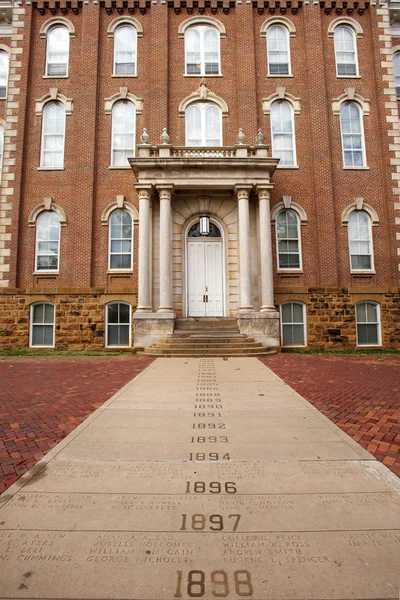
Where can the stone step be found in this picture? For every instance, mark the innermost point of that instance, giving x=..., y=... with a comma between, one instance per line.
x=207, y=323
x=207, y=342
x=206, y=352
x=206, y=334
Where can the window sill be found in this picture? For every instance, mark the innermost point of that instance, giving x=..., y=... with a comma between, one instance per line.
x=3, y=98
x=55, y=76
x=119, y=271
x=363, y=273
x=117, y=76
x=118, y=347
x=113, y=168
x=51, y=169
x=276, y=76
x=41, y=347
x=210, y=75
x=287, y=166
x=290, y=271
x=355, y=168
x=46, y=273
x=348, y=76
x=377, y=346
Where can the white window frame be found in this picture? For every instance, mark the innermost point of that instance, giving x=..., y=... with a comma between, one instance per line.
x=129, y=325
x=42, y=150
x=396, y=61
x=302, y=304
x=364, y=155
x=41, y=271
x=372, y=267
x=53, y=28
x=289, y=73
x=121, y=26
x=32, y=325
x=203, y=108
x=280, y=165
x=110, y=239
x=127, y=166
x=8, y=73
x=357, y=74
x=286, y=269
x=378, y=323
x=202, y=29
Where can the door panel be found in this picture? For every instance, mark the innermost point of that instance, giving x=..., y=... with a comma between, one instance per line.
x=196, y=279
x=205, y=278
x=214, y=279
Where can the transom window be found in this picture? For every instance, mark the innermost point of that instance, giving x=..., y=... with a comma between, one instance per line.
x=345, y=52
x=53, y=135
x=202, y=54
x=121, y=234
x=278, y=50
x=352, y=135
x=282, y=133
x=118, y=325
x=288, y=240
x=368, y=324
x=396, y=64
x=123, y=133
x=57, y=52
x=194, y=231
x=47, y=241
x=293, y=324
x=360, y=241
x=203, y=125
x=42, y=325
x=125, y=45
x=4, y=65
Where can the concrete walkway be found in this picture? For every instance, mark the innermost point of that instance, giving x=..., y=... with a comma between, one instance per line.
x=203, y=478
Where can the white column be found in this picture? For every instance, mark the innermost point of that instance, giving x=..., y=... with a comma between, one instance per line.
x=267, y=276
x=243, y=193
x=165, y=193
x=144, y=250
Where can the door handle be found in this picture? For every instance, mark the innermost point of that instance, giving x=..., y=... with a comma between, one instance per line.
x=204, y=298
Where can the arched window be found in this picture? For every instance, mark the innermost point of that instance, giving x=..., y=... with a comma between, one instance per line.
x=345, y=52
x=1, y=150
x=202, y=56
x=368, y=324
x=120, y=240
x=288, y=240
x=282, y=133
x=57, y=51
x=352, y=135
x=396, y=64
x=47, y=241
x=360, y=241
x=203, y=125
x=123, y=133
x=125, y=45
x=53, y=135
x=293, y=324
x=4, y=64
x=278, y=50
x=118, y=325
x=42, y=325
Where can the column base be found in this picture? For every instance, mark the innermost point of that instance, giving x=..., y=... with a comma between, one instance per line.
x=150, y=327
x=165, y=309
x=262, y=326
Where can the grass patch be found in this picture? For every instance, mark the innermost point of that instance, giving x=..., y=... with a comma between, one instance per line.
x=350, y=351
x=61, y=353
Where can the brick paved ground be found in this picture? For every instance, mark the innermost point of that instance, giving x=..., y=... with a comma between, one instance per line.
x=42, y=399
x=361, y=394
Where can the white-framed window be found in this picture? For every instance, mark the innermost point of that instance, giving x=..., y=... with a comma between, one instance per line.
x=42, y=325
x=293, y=324
x=396, y=65
x=360, y=241
x=278, y=50
x=288, y=240
x=118, y=325
x=123, y=133
x=125, y=49
x=4, y=66
x=202, y=52
x=351, y=127
x=47, y=241
x=368, y=324
x=53, y=135
x=282, y=133
x=57, y=51
x=1, y=150
x=203, y=124
x=345, y=52
x=120, y=240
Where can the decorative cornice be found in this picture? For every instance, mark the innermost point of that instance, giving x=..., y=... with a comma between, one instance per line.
x=53, y=96
x=350, y=94
x=123, y=94
x=281, y=94
x=203, y=93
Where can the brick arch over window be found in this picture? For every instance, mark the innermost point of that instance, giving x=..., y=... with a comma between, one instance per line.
x=47, y=204
x=120, y=203
x=359, y=204
x=284, y=21
x=123, y=94
x=203, y=93
x=199, y=20
x=54, y=22
x=53, y=96
x=355, y=25
x=125, y=21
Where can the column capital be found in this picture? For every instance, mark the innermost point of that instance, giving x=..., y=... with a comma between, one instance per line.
x=243, y=190
x=263, y=192
x=165, y=190
x=144, y=191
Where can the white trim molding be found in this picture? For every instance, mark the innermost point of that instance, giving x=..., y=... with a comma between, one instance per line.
x=200, y=20
x=350, y=95
x=120, y=203
x=125, y=21
x=281, y=94
x=47, y=204
x=359, y=204
x=53, y=96
x=278, y=21
x=60, y=21
x=6, y=49
x=288, y=204
x=203, y=93
x=355, y=25
x=123, y=94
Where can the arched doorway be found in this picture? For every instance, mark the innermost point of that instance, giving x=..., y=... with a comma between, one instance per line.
x=205, y=272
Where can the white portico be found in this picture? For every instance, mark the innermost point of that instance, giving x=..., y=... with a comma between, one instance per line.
x=204, y=238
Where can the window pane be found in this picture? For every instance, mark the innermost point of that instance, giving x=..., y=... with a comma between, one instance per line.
x=213, y=126
x=125, y=50
x=118, y=324
x=112, y=313
x=124, y=311
x=123, y=136
x=4, y=65
x=278, y=50
x=211, y=51
x=297, y=313
x=38, y=313
x=282, y=132
x=193, y=57
x=57, y=51
x=352, y=142
x=345, y=51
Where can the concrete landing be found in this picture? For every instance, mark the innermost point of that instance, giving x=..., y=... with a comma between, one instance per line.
x=203, y=478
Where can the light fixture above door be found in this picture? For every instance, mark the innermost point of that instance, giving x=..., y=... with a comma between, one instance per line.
x=204, y=225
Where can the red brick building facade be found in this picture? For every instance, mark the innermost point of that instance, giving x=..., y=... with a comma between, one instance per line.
x=309, y=83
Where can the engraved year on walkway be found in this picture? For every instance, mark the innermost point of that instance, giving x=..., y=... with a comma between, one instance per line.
x=203, y=478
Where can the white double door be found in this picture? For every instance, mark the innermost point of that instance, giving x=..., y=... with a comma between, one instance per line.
x=205, y=277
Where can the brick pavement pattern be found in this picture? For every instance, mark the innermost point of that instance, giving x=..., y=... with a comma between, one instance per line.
x=361, y=394
x=42, y=399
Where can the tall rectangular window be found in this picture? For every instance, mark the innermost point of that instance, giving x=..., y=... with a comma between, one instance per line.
x=53, y=135
x=42, y=325
x=57, y=52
